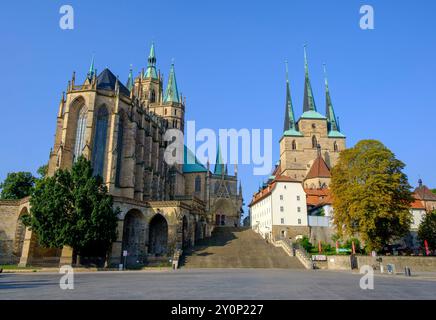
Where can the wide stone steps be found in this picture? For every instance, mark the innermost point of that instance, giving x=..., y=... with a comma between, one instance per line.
x=237, y=248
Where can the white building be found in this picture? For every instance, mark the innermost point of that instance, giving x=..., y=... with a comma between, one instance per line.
x=279, y=209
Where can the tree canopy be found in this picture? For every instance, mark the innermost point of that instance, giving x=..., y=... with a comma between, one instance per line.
x=17, y=185
x=72, y=208
x=427, y=230
x=371, y=195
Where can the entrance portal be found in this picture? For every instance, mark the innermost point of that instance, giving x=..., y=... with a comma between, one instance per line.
x=158, y=238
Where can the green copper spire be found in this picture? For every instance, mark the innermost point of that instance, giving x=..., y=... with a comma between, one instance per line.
x=129, y=84
x=91, y=71
x=172, y=93
x=329, y=111
x=220, y=168
x=290, y=127
x=151, y=67
x=309, y=101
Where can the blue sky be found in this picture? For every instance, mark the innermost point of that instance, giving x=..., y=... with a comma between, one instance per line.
x=229, y=58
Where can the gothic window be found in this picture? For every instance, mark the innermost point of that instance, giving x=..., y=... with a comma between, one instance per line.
x=335, y=147
x=80, y=133
x=98, y=154
x=175, y=112
x=153, y=96
x=294, y=145
x=165, y=111
x=119, y=150
x=197, y=184
x=314, y=142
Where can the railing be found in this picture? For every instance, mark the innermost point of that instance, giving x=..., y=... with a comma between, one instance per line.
x=303, y=256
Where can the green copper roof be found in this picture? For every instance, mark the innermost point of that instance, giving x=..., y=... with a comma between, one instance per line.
x=292, y=133
x=309, y=100
x=129, y=83
x=91, y=71
x=335, y=134
x=289, y=109
x=151, y=67
x=312, y=115
x=220, y=167
x=172, y=93
x=332, y=124
x=191, y=163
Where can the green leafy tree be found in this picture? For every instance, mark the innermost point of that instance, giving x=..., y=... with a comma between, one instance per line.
x=371, y=194
x=42, y=171
x=72, y=208
x=17, y=185
x=427, y=230
x=305, y=243
x=433, y=190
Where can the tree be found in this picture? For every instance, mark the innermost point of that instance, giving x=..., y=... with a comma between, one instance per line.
x=17, y=185
x=427, y=230
x=42, y=171
x=433, y=190
x=72, y=208
x=371, y=195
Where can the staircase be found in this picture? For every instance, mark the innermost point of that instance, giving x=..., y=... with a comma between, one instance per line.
x=237, y=248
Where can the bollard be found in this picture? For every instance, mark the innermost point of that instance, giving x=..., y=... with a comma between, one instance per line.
x=407, y=272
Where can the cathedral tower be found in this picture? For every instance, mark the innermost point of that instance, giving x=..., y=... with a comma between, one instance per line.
x=312, y=136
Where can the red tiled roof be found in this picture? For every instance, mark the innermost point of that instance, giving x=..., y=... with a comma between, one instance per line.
x=424, y=193
x=319, y=169
x=317, y=197
x=262, y=194
x=417, y=204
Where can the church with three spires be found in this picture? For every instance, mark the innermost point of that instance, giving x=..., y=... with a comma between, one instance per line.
x=309, y=146
x=121, y=130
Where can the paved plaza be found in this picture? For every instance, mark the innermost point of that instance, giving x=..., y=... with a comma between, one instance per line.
x=217, y=284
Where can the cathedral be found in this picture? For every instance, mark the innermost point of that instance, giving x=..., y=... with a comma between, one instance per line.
x=120, y=129
x=310, y=146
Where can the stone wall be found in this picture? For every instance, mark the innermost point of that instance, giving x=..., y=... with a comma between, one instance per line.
x=291, y=232
x=416, y=264
x=8, y=223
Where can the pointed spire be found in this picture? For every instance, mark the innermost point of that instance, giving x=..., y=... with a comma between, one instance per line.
x=332, y=123
x=91, y=71
x=309, y=101
x=172, y=93
x=151, y=67
x=289, y=109
x=220, y=169
x=129, y=83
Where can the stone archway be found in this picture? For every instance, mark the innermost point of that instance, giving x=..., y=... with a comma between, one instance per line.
x=20, y=233
x=134, y=237
x=158, y=236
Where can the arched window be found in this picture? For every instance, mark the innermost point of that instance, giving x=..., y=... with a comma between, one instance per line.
x=153, y=96
x=165, y=111
x=335, y=147
x=294, y=145
x=314, y=142
x=197, y=184
x=99, y=150
x=80, y=133
x=119, y=150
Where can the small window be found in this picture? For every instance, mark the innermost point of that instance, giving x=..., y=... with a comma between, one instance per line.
x=281, y=197
x=298, y=198
x=299, y=221
x=294, y=145
x=298, y=209
x=281, y=209
x=285, y=186
x=313, y=125
x=165, y=111
x=335, y=147
x=282, y=220
x=175, y=112
x=314, y=142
